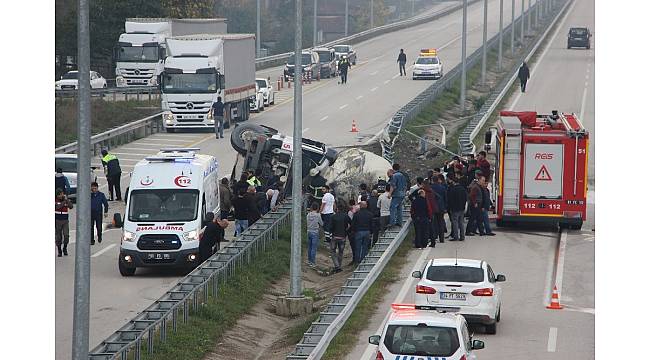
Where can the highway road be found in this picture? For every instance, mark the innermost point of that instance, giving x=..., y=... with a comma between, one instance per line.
x=373, y=93
x=563, y=80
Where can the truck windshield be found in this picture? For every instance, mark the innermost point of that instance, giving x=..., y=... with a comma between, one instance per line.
x=421, y=340
x=137, y=54
x=163, y=205
x=189, y=83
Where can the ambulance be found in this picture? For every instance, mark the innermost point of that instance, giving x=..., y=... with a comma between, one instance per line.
x=427, y=65
x=541, y=168
x=411, y=334
x=169, y=196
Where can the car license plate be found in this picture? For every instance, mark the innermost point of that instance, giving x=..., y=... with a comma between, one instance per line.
x=453, y=296
x=191, y=116
x=158, y=256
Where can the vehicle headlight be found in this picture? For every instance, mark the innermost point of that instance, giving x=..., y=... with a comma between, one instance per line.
x=119, y=80
x=128, y=236
x=153, y=81
x=191, y=235
x=168, y=117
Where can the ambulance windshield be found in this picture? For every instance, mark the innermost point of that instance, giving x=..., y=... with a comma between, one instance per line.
x=163, y=205
x=421, y=340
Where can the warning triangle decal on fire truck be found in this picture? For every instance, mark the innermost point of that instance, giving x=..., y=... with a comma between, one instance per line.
x=543, y=174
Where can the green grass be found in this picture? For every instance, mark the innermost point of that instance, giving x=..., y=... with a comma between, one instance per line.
x=236, y=297
x=347, y=337
x=105, y=115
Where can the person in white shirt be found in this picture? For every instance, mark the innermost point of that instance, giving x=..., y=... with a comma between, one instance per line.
x=327, y=209
x=383, y=203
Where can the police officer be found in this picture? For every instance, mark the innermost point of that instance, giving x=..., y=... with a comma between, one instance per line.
x=344, y=65
x=253, y=180
x=113, y=174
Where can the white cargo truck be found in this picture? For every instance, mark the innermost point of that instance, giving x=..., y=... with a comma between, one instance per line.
x=168, y=198
x=141, y=49
x=201, y=68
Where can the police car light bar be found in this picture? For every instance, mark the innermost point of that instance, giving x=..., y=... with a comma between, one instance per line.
x=398, y=307
x=429, y=52
x=179, y=149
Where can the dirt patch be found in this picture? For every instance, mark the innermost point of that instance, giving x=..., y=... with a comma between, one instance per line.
x=262, y=334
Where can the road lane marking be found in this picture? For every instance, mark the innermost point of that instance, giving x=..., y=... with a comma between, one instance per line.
x=386, y=81
x=552, y=339
x=584, y=94
x=559, y=273
x=324, y=118
x=395, y=76
x=359, y=97
x=374, y=72
x=408, y=285
x=135, y=149
x=129, y=154
x=103, y=250
x=165, y=139
x=305, y=130
x=373, y=89
x=343, y=107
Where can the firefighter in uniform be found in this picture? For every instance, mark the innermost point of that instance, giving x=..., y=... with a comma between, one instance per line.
x=113, y=174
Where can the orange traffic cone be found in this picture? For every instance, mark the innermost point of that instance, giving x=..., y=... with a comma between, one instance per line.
x=555, y=300
x=354, y=126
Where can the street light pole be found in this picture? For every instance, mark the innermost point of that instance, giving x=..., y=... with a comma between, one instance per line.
x=484, y=60
x=463, y=76
x=346, y=17
x=257, y=37
x=372, y=14
x=528, y=16
x=295, y=290
x=81, y=314
x=523, y=6
x=500, y=62
x=512, y=30
x=315, y=23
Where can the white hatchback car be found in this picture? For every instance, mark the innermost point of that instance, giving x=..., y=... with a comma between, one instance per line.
x=411, y=334
x=461, y=285
x=70, y=81
x=68, y=164
x=267, y=91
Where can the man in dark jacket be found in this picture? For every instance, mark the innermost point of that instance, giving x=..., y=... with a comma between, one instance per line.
x=524, y=75
x=440, y=189
x=241, y=205
x=113, y=174
x=61, y=182
x=362, y=227
x=225, y=198
x=483, y=164
x=456, y=201
x=401, y=60
x=340, y=224
x=475, y=207
x=372, y=207
x=485, y=209
x=97, y=203
x=421, y=213
x=432, y=205
x=254, y=212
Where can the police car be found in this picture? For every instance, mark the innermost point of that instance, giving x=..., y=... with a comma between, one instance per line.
x=427, y=65
x=411, y=334
x=461, y=285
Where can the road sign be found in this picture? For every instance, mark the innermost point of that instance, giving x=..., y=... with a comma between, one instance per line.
x=543, y=174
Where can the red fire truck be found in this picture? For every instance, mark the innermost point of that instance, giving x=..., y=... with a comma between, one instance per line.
x=540, y=168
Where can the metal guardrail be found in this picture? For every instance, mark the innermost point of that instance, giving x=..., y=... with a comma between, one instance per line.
x=333, y=316
x=414, y=107
x=466, y=139
x=119, y=135
x=129, y=93
x=193, y=290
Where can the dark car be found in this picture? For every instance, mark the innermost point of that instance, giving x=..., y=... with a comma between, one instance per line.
x=310, y=62
x=579, y=37
x=327, y=60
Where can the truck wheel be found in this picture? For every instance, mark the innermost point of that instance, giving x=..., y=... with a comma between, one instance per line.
x=491, y=329
x=244, y=131
x=577, y=226
x=124, y=270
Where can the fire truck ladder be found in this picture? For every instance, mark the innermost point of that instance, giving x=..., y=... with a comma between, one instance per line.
x=511, y=169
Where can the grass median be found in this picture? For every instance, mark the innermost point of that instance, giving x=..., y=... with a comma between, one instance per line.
x=105, y=115
x=345, y=340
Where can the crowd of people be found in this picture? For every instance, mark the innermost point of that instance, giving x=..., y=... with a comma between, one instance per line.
x=458, y=190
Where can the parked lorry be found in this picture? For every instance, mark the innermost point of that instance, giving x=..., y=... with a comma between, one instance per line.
x=201, y=68
x=141, y=50
x=540, y=169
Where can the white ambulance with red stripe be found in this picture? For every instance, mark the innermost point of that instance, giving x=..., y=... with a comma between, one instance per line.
x=411, y=334
x=540, y=169
x=169, y=196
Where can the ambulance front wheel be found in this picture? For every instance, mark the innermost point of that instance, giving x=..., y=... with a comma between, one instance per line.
x=125, y=270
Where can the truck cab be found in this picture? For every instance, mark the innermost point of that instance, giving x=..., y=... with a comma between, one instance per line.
x=169, y=196
x=140, y=52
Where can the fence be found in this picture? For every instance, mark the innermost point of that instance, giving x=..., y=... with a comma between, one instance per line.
x=415, y=106
x=192, y=290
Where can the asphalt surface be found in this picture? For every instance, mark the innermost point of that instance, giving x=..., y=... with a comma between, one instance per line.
x=372, y=95
x=564, y=80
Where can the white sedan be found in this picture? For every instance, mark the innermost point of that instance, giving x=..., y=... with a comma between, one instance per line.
x=70, y=81
x=417, y=334
x=461, y=285
x=267, y=91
